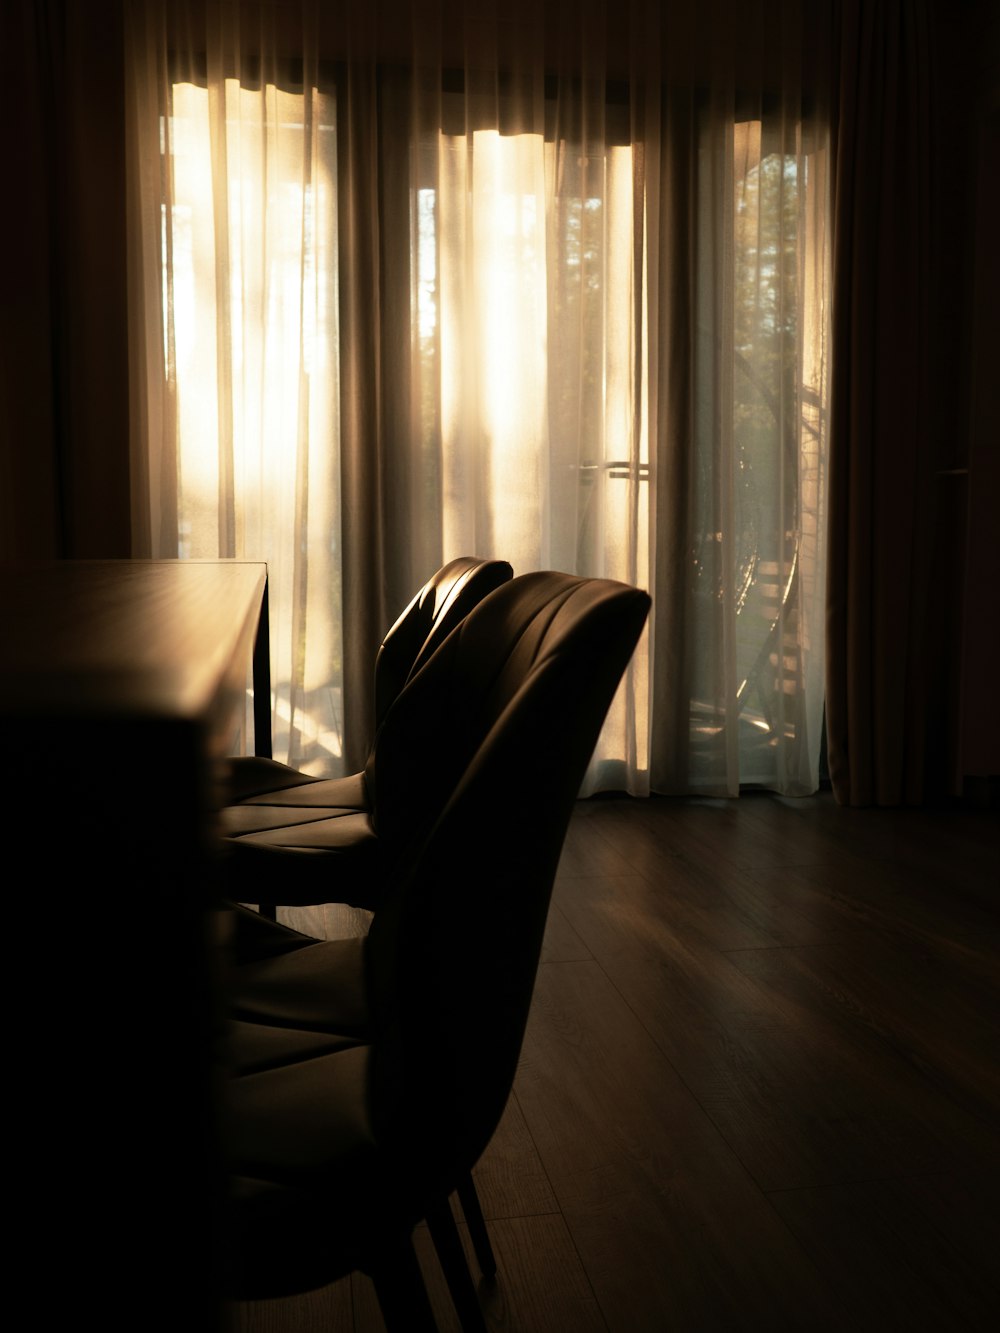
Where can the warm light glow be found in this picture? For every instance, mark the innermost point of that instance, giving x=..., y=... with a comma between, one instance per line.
x=490, y=259
x=250, y=310
x=494, y=335
x=532, y=348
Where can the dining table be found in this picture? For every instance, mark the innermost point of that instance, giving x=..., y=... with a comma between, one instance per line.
x=126, y=685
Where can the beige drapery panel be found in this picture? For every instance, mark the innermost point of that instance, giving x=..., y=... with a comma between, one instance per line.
x=538, y=281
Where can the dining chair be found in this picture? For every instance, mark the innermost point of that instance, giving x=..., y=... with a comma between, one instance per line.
x=365, y=1077
x=320, y=1005
x=298, y=840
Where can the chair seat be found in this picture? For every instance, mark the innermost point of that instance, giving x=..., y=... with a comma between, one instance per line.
x=326, y=857
x=299, y=1132
x=251, y=1048
x=319, y=988
x=266, y=782
x=303, y=1173
x=317, y=826
x=246, y=776
x=288, y=1121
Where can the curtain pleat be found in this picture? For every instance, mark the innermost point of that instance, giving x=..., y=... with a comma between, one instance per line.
x=887, y=631
x=64, y=384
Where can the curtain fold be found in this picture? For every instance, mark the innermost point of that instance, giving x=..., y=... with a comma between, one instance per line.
x=539, y=281
x=895, y=535
x=64, y=383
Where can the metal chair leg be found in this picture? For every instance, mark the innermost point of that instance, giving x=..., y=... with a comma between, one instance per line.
x=448, y=1244
x=478, y=1234
x=402, y=1295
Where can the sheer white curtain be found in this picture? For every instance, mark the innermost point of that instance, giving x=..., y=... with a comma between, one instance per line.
x=542, y=281
x=234, y=326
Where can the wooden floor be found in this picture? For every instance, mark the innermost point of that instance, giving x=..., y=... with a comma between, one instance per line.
x=759, y=1089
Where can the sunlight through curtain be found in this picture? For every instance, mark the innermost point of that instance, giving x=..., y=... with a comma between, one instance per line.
x=537, y=281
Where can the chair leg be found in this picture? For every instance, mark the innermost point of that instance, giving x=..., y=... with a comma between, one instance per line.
x=480, y=1237
x=448, y=1244
x=402, y=1295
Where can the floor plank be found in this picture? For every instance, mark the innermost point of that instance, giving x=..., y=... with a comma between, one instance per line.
x=759, y=1088
x=671, y=1229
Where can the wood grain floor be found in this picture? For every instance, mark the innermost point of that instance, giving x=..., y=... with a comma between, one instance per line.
x=759, y=1088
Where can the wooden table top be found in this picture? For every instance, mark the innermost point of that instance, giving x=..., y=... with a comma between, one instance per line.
x=139, y=638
